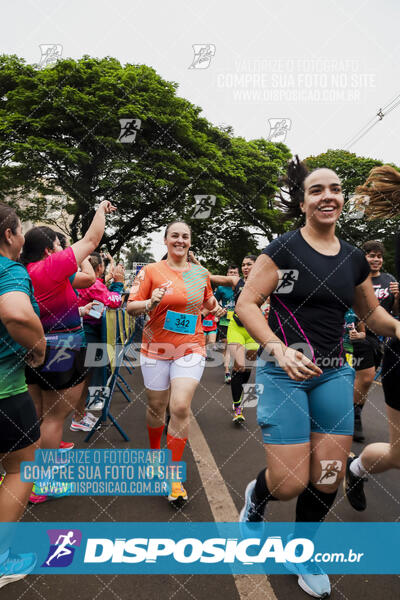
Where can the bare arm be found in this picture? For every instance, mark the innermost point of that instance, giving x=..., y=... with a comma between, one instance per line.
x=261, y=282
x=23, y=325
x=85, y=277
x=212, y=305
x=92, y=237
x=227, y=280
x=367, y=307
x=138, y=307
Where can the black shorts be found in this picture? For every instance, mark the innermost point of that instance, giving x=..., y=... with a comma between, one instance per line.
x=19, y=424
x=60, y=374
x=222, y=332
x=391, y=373
x=367, y=353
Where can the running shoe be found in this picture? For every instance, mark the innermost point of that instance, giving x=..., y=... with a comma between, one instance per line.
x=354, y=487
x=16, y=567
x=249, y=513
x=314, y=581
x=38, y=498
x=358, y=435
x=2, y=478
x=228, y=377
x=84, y=425
x=90, y=416
x=46, y=490
x=65, y=446
x=178, y=493
x=238, y=417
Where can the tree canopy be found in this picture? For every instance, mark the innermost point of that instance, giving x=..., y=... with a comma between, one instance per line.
x=60, y=134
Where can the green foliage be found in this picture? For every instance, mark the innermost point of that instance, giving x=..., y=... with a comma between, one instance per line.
x=59, y=130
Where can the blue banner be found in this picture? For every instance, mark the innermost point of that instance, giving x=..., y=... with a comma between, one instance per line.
x=88, y=472
x=206, y=548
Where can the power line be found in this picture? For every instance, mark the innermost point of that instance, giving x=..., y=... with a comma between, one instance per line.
x=382, y=112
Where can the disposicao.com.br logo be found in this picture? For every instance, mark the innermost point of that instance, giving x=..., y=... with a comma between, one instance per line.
x=192, y=550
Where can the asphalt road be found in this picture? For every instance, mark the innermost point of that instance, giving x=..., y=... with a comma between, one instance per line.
x=239, y=454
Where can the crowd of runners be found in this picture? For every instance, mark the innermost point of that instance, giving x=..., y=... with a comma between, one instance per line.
x=313, y=317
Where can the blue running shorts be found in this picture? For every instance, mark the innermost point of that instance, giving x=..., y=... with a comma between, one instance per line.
x=289, y=410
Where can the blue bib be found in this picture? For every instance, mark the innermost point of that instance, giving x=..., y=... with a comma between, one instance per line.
x=208, y=323
x=180, y=322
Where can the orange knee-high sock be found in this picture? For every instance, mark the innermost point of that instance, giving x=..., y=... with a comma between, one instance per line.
x=155, y=435
x=177, y=446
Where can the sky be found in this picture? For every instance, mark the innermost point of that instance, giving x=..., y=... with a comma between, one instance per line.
x=320, y=69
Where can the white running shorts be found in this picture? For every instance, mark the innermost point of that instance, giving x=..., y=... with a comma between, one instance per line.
x=157, y=374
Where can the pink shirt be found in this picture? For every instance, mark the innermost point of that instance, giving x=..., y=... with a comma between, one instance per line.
x=53, y=291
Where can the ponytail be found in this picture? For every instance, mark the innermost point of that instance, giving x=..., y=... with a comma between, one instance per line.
x=380, y=194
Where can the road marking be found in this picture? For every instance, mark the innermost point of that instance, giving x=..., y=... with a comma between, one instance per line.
x=256, y=587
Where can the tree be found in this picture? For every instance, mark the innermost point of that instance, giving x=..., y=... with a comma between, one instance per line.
x=138, y=252
x=60, y=133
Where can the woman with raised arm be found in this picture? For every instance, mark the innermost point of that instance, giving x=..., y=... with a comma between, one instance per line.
x=172, y=292
x=57, y=385
x=306, y=408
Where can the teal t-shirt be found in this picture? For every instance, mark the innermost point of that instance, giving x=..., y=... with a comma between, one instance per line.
x=13, y=278
x=224, y=295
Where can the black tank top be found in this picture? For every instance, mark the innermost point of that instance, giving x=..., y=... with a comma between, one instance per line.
x=236, y=293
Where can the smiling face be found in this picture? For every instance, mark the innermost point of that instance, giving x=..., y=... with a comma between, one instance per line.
x=375, y=260
x=323, y=198
x=178, y=240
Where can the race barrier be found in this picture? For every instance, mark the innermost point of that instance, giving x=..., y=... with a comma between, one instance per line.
x=118, y=331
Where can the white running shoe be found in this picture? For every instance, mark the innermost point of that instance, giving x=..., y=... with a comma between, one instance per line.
x=16, y=567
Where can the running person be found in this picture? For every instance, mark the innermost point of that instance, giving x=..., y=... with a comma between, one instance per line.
x=382, y=188
x=368, y=351
x=209, y=324
x=224, y=295
x=305, y=411
x=22, y=341
x=172, y=292
x=241, y=344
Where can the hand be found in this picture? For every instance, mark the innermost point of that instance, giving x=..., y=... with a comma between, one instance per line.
x=84, y=310
x=394, y=288
x=35, y=358
x=119, y=273
x=218, y=311
x=157, y=296
x=356, y=335
x=107, y=207
x=297, y=365
x=192, y=258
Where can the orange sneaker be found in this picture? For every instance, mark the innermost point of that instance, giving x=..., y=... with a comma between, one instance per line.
x=178, y=493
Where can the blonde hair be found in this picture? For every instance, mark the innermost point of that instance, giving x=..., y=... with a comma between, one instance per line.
x=380, y=194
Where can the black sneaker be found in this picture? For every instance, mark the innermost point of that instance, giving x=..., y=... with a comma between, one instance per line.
x=354, y=487
x=358, y=435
